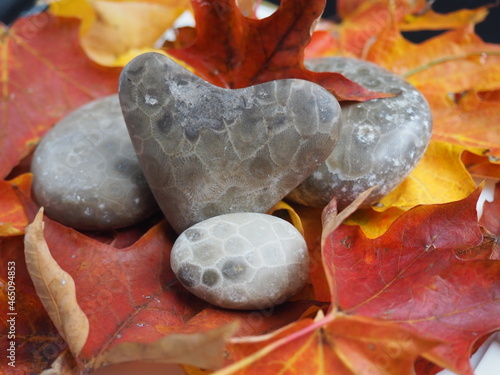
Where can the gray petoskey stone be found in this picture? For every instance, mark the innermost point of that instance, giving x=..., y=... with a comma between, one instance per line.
x=381, y=140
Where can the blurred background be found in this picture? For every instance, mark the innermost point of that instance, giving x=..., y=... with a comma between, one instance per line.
x=489, y=30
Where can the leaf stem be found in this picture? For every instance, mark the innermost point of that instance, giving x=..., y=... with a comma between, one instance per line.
x=248, y=360
x=447, y=59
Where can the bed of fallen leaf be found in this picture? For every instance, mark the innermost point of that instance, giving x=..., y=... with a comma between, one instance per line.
x=412, y=284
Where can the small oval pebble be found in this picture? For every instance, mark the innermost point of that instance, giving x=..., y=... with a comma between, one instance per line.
x=86, y=173
x=241, y=260
x=380, y=142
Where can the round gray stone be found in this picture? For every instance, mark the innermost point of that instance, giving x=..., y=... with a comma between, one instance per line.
x=86, y=173
x=241, y=260
x=381, y=140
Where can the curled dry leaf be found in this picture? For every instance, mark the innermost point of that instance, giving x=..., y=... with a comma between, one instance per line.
x=201, y=349
x=55, y=288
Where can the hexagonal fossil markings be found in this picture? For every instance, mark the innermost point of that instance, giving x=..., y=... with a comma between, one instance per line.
x=241, y=122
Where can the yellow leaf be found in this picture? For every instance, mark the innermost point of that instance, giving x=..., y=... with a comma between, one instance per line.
x=374, y=223
x=431, y=20
x=439, y=177
x=124, y=30
x=478, y=71
x=81, y=9
x=55, y=288
x=293, y=215
x=403, y=57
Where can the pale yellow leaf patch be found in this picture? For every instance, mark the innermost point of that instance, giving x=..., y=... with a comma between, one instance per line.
x=374, y=223
x=55, y=288
x=440, y=177
x=201, y=349
x=124, y=30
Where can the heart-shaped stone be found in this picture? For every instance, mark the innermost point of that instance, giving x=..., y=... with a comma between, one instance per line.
x=206, y=150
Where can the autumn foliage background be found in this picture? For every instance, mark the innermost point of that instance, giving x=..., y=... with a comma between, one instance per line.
x=411, y=283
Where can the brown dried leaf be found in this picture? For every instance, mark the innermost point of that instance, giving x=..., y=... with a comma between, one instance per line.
x=55, y=288
x=203, y=349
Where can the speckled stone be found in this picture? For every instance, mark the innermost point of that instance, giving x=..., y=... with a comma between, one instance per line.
x=207, y=150
x=241, y=260
x=381, y=140
x=86, y=173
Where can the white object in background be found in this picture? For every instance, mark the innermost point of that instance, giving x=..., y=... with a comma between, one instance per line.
x=490, y=362
x=187, y=19
x=486, y=361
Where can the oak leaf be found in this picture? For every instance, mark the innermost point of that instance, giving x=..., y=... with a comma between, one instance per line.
x=242, y=51
x=45, y=75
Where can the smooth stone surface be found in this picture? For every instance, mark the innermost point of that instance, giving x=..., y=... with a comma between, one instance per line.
x=381, y=140
x=207, y=150
x=86, y=173
x=241, y=260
